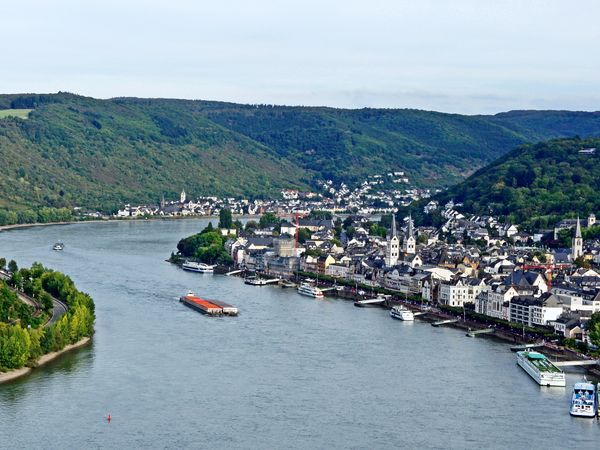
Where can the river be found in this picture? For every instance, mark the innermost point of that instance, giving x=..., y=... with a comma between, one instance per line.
x=289, y=372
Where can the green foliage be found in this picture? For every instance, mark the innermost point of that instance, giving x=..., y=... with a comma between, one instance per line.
x=320, y=215
x=593, y=328
x=377, y=230
x=206, y=246
x=535, y=185
x=268, y=219
x=225, y=219
x=304, y=234
x=78, y=151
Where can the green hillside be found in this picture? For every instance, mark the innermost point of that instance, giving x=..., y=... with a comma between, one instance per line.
x=535, y=184
x=80, y=151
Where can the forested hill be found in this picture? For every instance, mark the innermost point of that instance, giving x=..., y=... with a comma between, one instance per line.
x=535, y=184
x=80, y=151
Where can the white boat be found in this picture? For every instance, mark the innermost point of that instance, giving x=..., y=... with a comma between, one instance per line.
x=584, y=402
x=541, y=368
x=59, y=246
x=197, y=267
x=309, y=288
x=255, y=281
x=401, y=313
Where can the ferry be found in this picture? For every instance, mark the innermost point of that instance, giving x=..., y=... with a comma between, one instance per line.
x=584, y=402
x=308, y=288
x=402, y=313
x=59, y=246
x=197, y=267
x=541, y=368
x=208, y=307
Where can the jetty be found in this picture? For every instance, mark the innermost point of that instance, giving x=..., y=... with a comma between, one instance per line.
x=235, y=272
x=473, y=333
x=420, y=313
x=369, y=301
x=443, y=322
x=579, y=362
x=518, y=348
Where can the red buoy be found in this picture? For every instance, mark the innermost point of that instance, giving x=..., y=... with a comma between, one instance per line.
x=108, y=418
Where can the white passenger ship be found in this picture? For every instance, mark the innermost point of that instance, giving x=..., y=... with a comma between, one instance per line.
x=541, y=369
x=584, y=402
x=401, y=313
x=308, y=288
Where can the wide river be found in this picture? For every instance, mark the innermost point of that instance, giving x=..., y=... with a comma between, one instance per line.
x=289, y=372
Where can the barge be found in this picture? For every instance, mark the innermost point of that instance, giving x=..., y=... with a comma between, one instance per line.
x=208, y=307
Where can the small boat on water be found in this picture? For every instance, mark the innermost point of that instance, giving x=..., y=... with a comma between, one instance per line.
x=59, y=246
x=309, y=288
x=208, y=307
x=400, y=312
x=287, y=284
x=197, y=267
x=255, y=281
x=584, y=402
x=541, y=368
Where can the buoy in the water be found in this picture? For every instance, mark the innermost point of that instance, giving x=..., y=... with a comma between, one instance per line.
x=108, y=418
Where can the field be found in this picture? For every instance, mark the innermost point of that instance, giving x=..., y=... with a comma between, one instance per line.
x=21, y=113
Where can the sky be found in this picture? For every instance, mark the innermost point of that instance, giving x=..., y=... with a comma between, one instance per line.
x=463, y=56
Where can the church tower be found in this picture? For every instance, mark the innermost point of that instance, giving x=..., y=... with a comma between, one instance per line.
x=392, y=250
x=183, y=196
x=409, y=245
x=577, y=249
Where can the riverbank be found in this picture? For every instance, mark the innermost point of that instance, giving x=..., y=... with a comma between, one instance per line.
x=44, y=359
x=112, y=219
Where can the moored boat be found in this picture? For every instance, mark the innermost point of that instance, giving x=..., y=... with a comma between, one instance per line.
x=402, y=313
x=59, y=246
x=255, y=281
x=584, y=401
x=541, y=368
x=197, y=267
x=309, y=288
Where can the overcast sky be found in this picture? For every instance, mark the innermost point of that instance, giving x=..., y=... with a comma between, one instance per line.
x=468, y=56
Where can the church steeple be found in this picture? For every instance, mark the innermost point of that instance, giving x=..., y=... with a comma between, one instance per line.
x=409, y=245
x=394, y=233
x=392, y=250
x=577, y=249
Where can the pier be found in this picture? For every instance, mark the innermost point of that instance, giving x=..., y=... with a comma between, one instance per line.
x=473, y=333
x=580, y=362
x=369, y=301
x=235, y=272
x=518, y=348
x=443, y=322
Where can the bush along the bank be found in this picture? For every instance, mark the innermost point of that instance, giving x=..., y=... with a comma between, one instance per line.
x=23, y=336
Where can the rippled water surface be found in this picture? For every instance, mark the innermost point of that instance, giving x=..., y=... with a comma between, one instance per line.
x=289, y=372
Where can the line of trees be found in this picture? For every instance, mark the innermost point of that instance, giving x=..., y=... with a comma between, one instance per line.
x=22, y=339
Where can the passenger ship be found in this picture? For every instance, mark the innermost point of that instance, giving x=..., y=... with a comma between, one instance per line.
x=197, y=267
x=402, y=313
x=541, y=369
x=308, y=288
x=584, y=402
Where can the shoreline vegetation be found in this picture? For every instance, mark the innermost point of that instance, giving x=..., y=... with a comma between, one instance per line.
x=5, y=377
x=27, y=297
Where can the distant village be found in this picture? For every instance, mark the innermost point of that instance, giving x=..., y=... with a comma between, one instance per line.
x=472, y=262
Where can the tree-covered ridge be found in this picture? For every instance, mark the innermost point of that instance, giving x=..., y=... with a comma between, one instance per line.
x=535, y=184
x=23, y=336
x=80, y=151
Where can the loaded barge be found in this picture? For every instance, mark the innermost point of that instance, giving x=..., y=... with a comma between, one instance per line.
x=208, y=307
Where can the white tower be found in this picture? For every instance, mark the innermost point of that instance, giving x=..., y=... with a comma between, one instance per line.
x=409, y=245
x=392, y=251
x=183, y=197
x=577, y=249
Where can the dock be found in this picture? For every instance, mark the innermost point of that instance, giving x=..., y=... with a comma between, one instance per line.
x=579, y=362
x=420, y=313
x=369, y=301
x=235, y=272
x=518, y=348
x=443, y=322
x=473, y=333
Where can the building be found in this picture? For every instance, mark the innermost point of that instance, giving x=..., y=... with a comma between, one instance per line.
x=409, y=245
x=392, y=250
x=577, y=248
x=461, y=291
x=532, y=311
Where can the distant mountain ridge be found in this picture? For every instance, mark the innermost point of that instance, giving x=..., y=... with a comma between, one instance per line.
x=80, y=151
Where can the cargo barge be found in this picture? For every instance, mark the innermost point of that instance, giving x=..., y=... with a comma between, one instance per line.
x=208, y=307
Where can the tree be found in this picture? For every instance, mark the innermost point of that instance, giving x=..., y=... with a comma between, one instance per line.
x=225, y=219
x=593, y=327
x=268, y=220
x=582, y=262
x=304, y=234
x=320, y=215
x=2, y=263
x=12, y=266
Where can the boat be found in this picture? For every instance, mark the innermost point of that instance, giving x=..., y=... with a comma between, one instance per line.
x=584, y=402
x=541, y=368
x=208, y=307
x=59, y=246
x=402, y=313
x=197, y=267
x=287, y=284
x=308, y=287
x=255, y=281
